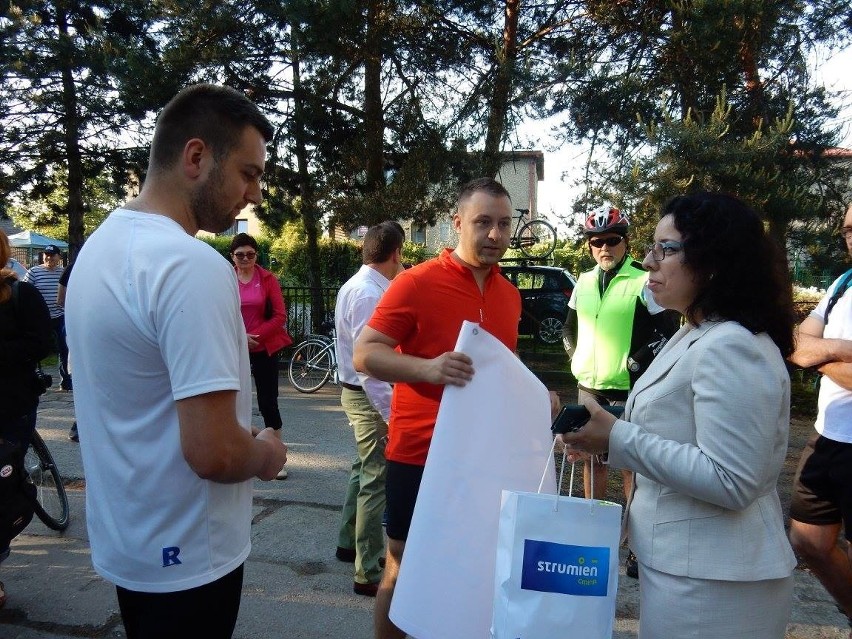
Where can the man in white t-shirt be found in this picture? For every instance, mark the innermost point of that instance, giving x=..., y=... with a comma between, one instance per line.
x=822, y=489
x=161, y=370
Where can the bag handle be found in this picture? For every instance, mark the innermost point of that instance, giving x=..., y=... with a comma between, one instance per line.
x=561, y=474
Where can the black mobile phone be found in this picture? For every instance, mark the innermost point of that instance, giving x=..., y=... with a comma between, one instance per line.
x=574, y=416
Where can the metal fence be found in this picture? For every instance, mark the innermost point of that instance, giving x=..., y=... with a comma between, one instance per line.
x=805, y=277
x=303, y=316
x=303, y=319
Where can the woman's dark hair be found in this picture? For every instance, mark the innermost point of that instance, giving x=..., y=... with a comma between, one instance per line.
x=243, y=239
x=741, y=272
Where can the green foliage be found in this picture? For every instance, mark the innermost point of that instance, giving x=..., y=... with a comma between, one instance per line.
x=69, y=95
x=338, y=261
x=413, y=253
x=573, y=255
x=716, y=95
x=378, y=105
x=222, y=243
x=45, y=210
x=777, y=177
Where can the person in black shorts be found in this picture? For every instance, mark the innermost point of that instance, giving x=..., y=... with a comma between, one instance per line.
x=822, y=490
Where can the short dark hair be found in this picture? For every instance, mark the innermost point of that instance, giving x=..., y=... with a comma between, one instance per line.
x=484, y=184
x=243, y=239
x=741, y=271
x=381, y=241
x=213, y=113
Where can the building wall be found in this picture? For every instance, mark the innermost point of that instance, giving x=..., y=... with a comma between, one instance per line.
x=520, y=174
x=246, y=222
x=520, y=178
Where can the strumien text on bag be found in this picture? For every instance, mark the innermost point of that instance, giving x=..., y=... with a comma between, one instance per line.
x=565, y=568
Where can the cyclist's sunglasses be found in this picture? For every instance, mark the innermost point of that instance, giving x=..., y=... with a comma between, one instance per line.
x=598, y=242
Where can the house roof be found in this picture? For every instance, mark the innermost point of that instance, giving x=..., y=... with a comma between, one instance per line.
x=537, y=156
x=8, y=226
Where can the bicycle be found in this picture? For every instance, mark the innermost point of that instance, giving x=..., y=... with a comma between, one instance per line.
x=535, y=239
x=313, y=363
x=51, y=501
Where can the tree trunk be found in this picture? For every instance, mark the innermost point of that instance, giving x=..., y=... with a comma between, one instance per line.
x=374, y=126
x=750, y=29
x=308, y=209
x=71, y=134
x=499, y=106
x=682, y=72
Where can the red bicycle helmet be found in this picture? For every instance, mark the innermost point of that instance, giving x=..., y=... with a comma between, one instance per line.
x=606, y=219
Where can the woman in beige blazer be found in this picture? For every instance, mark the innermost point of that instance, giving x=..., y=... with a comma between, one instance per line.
x=705, y=430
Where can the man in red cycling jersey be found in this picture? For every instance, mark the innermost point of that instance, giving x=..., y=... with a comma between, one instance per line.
x=410, y=338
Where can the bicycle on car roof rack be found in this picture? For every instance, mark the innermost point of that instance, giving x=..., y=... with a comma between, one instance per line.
x=536, y=239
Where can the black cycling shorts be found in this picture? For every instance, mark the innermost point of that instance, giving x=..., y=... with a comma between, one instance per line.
x=402, y=483
x=822, y=488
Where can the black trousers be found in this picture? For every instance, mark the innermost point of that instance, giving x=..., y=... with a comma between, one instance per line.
x=264, y=368
x=208, y=611
x=58, y=325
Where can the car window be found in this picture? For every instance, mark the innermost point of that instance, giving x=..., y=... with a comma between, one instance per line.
x=551, y=282
x=512, y=276
x=540, y=279
x=528, y=280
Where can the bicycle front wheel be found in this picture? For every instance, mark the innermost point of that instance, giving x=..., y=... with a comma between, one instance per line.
x=537, y=238
x=310, y=366
x=52, y=502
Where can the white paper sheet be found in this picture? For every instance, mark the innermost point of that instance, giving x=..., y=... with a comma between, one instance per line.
x=492, y=434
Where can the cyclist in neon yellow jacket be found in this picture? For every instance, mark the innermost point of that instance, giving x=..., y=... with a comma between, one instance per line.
x=613, y=329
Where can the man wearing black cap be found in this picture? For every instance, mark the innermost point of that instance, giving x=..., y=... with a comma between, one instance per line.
x=45, y=277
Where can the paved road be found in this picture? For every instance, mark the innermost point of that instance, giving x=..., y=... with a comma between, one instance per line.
x=294, y=587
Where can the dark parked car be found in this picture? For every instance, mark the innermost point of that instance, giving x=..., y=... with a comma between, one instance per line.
x=545, y=291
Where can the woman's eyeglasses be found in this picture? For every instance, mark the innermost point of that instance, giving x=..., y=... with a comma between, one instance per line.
x=661, y=250
x=245, y=256
x=598, y=242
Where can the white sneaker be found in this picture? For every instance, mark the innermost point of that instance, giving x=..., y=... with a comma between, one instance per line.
x=282, y=474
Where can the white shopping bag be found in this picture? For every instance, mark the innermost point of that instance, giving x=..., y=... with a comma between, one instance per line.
x=557, y=567
x=492, y=434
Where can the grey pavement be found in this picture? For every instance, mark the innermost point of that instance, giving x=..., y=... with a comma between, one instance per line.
x=294, y=587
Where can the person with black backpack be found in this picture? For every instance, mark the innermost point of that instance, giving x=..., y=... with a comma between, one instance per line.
x=821, y=505
x=25, y=338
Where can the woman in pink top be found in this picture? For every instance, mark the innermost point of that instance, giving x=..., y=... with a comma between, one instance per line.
x=265, y=318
